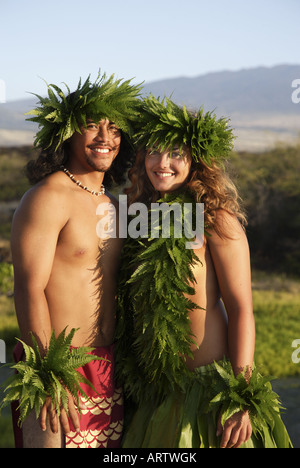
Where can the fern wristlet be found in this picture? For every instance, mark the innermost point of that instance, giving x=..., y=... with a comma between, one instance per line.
x=228, y=394
x=53, y=375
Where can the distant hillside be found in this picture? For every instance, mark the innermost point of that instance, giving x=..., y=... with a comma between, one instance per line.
x=250, y=91
x=258, y=101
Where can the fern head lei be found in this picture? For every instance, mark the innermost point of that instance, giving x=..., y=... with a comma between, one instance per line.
x=163, y=124
x=60, y=115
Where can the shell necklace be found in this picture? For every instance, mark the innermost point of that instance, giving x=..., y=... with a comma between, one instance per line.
x=79, y=184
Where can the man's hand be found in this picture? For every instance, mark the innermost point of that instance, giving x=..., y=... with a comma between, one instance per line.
x=49, y=409
x=237, y=430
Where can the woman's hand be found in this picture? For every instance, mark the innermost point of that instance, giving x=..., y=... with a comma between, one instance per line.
x=236, y=431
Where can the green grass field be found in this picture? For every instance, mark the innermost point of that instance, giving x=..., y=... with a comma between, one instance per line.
x=276, y=308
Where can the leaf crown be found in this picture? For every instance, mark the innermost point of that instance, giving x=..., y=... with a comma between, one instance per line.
x=165, y=124
x=60, y=115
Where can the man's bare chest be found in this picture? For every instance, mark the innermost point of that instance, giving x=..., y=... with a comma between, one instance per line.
x=78, y=237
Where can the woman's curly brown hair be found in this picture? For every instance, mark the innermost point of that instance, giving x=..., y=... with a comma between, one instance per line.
x=210, y=185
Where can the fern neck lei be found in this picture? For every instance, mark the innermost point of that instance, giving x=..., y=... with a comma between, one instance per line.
x=153, y=329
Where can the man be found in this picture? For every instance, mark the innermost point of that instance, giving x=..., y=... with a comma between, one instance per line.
x=64, y=274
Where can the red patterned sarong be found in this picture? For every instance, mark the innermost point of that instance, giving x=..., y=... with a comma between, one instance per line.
x=101, y=423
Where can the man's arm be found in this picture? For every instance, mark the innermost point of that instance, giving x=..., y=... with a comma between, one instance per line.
x=36, y=226
x=35, y=230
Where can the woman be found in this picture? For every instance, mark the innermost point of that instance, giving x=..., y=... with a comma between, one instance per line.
x=186, y=332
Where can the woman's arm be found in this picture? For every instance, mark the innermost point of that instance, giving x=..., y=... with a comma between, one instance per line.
x=231, y=260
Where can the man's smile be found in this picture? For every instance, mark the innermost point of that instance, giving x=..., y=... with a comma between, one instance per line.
x=105, y=150
x=101, y=150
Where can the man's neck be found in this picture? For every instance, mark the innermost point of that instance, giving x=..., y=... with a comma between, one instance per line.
x=88, y=176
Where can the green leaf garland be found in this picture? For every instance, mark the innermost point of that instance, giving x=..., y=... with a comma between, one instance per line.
x=60, y=115
x=37, y=377
x=153, y=332
x=165, y=124
x=229, y=394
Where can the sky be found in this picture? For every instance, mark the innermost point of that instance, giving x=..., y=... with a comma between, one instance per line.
x=144, y=40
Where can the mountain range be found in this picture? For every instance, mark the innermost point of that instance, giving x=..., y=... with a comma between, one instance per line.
x=258, y=101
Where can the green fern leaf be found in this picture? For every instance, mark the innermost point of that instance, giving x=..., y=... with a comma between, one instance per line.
x=39, y=377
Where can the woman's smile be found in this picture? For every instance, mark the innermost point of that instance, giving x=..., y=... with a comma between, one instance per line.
x=162, y=175
x=167, y=170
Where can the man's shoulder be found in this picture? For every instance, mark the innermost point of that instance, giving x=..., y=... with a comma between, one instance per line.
x=49, y=187
x=50, y=193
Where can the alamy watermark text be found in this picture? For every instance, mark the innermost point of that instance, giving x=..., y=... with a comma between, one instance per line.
x=188, y=221
x=2, y=92
x=2, y=352
x=296, y=353
x=296, y=93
